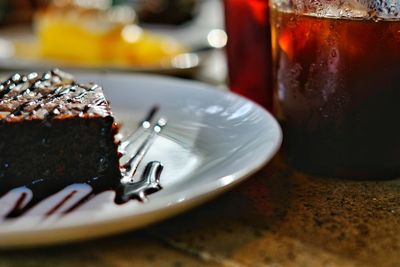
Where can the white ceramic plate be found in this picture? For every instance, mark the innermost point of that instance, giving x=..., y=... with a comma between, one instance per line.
x=213, y=141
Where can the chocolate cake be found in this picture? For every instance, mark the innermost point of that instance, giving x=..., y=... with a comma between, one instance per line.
x=56, y=130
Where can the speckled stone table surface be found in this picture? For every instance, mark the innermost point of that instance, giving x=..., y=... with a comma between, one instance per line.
x=279, y=217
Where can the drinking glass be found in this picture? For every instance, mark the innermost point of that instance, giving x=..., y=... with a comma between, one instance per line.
x=249, y=49
x=337, y=85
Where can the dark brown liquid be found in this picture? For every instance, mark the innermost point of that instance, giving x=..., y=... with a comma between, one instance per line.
x=338, y=91
x=248, y=49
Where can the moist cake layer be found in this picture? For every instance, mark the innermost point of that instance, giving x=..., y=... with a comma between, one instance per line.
x=54, y=129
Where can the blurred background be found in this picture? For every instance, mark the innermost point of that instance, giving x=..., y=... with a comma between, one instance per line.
x=154, y=11
x=183, y=38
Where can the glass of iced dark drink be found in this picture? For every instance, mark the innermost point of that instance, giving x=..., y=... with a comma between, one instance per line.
x=337, y=80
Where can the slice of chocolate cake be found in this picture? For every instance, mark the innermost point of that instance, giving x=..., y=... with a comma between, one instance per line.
x=56, y=130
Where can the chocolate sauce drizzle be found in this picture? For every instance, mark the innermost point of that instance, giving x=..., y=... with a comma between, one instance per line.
x=47, y=89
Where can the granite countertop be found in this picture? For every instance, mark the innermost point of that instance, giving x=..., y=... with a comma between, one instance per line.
x=278, y=217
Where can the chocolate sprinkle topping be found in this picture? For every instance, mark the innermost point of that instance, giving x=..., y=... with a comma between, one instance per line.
x=53, y=95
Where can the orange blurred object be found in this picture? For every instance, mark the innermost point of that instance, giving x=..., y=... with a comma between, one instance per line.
x=93, y=36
